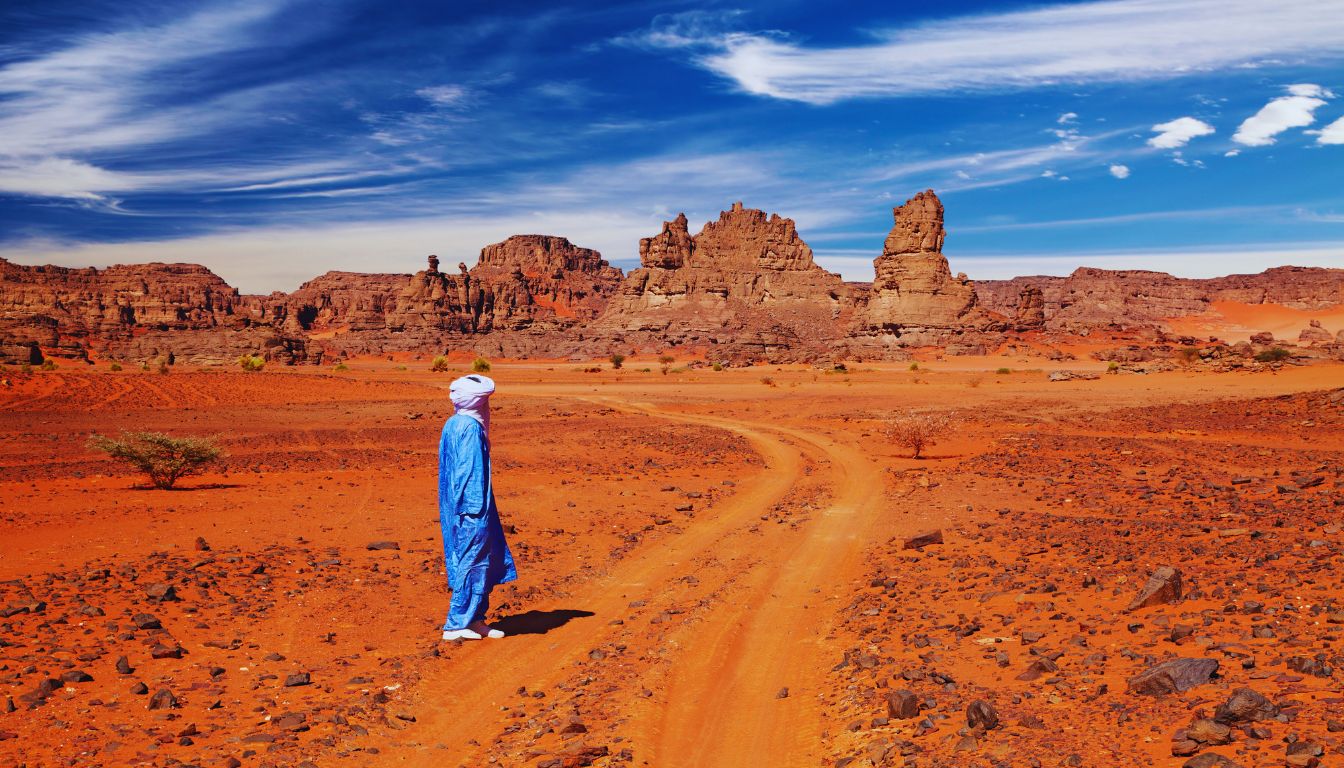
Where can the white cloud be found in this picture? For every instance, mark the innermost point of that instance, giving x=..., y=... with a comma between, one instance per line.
x=1120, y=171
x=1332, y=133
x=1100, y=41
x=1232, y=153
x=1067, y=118
x=1178, y=132
x=1293, y=111
x=449, y=96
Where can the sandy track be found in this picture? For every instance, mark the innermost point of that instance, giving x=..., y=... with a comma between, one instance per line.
x=460, y=700
x=724, y=706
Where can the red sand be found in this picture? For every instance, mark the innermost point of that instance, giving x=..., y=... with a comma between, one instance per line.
x=711, y=567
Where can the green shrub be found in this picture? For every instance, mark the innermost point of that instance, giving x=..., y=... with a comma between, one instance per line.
x=340, y=367
x=164, y=459
x=480, y=365
x=914, y=366
x=1275, y=355
x=617, y=359
x=1003, y=371
x=114, y=367
x=717, y=366
x=251, y=363
x=48, y=365
x=1188, y=355
x=439, y=364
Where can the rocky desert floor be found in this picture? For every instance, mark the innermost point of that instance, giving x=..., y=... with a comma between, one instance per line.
x=718, y=568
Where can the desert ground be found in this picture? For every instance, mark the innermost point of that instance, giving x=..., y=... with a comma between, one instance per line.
x=717, y=568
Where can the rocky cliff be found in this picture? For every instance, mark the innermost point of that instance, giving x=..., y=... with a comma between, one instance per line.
x=745, y=287
x=132, y=311
x=1126, y=299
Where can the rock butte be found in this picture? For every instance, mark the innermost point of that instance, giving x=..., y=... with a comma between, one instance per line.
x=745, y=288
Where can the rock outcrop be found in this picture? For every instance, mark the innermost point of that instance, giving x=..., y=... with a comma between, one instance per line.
x=563, y=280
x=915, y=300
x=745, y=287
x=1091, y=298
x=130, y=311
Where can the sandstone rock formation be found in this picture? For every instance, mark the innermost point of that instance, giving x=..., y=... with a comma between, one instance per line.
x=745, y=287
x=131, y=311
x=1092, y=298
x=914, y=299
x=562, y=279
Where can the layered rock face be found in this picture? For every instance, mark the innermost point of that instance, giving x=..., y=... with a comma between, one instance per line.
x=914, y=299
x=746, y=287
x=132, y=310
x=1128, y=299
x=520, y=299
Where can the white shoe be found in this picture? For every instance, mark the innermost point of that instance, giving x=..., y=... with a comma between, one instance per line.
x=480, y=628
x=461, y=634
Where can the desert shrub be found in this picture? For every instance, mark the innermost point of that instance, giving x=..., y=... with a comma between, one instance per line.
x=27, y=367
x=914, y=366
x=1275, y=355
x=1188, y=355
x=251, y=363
x=340, y=367
x=439, y=364
x=114, y=367
x=1114, y=367
x=918, y=431
x=767, y=381
x=480, y=365
x=593, y=369
x=48, y=365
x=1003, y=371
x=973, y=382
x=717, y=366
x=161, y=364
x=164, y=459
x=617, y=360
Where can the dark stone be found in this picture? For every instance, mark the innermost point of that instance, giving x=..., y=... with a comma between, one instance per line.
x=77, y=676
x=162, y=593
x=377, y=545
x=1173, y=676
x=298, y=678
x=981, y=714
x=1207, y=731
x=1210, y=760
x=164, y=699
x=146, y=621
x=920, y=540
x=1164, y=586
x=902, y=704
x=124, y=666
x=1245, y=706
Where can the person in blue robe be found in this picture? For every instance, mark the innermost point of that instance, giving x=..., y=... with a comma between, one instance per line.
x=474, y=548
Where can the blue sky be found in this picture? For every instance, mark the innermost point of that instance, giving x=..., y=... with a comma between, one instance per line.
x=272, y=140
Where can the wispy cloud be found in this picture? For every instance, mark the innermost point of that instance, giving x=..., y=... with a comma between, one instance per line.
x=1178, y=132
x=1119, y=171
x=1109, y=41
x=1296, y=110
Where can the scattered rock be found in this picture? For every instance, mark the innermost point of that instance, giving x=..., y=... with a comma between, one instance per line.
x=1245, y=706
x=920, y=540
x=1173, y=676
x=1164, y=586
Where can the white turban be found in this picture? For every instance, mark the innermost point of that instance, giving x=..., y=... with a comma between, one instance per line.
x=471, y=397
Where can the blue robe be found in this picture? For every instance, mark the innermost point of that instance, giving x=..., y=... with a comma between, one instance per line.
x=474, y=549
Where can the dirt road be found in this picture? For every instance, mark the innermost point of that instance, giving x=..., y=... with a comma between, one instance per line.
x=721, y=694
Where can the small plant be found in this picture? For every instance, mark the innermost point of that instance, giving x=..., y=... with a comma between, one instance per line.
x=114, y=367
x=918, y=431
x=161, y=365
x=1113, y=367
x=1275, y=355
x=717, y=367
x=973, y=382
x=341, y=368
x=27, y=367
x=666, y=361
x=439, y=364
x=1004, y=371
x=164, y=459
x=251, y=363
x=767, y=381
x=914, y=366
x=617, y=359
x=480, y=365
x=48, y=365
x=1188, y=355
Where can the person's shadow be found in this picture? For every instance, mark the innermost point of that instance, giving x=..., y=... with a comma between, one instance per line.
x=538, y=622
